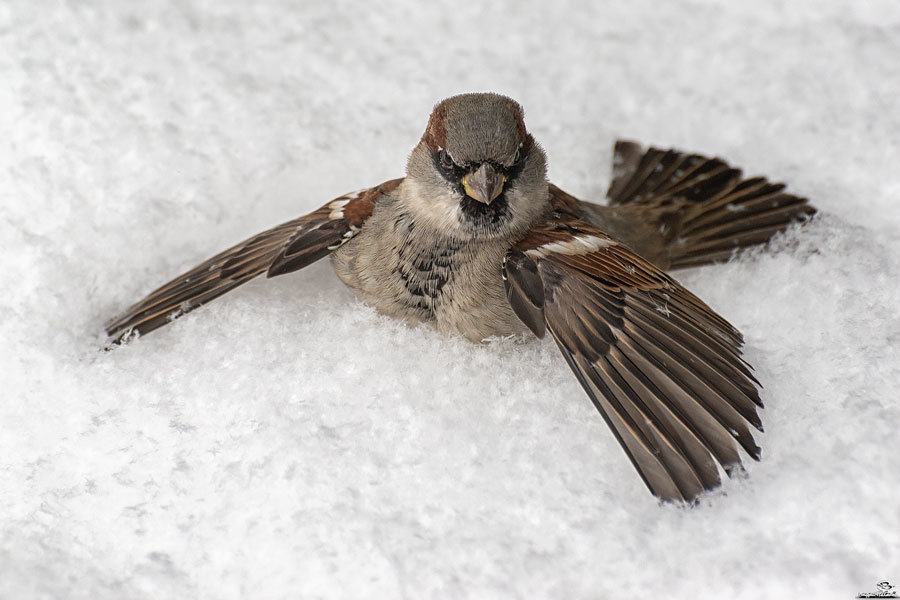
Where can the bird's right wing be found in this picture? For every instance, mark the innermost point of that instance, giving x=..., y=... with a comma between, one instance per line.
x=662, y=367
x=282, y=249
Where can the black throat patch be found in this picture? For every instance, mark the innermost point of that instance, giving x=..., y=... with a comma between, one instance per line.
x=485, y=217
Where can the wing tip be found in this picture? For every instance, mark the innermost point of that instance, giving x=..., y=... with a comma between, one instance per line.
x=119, y=336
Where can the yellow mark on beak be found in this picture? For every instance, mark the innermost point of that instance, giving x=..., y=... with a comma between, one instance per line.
x=485, y=184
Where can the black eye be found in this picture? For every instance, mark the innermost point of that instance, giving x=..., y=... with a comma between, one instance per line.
x=446, y=162
x=449, y=170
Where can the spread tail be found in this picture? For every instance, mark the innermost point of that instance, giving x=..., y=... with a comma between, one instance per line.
x=706, y=209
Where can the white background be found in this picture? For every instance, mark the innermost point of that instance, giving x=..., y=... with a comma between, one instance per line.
x=287, y=442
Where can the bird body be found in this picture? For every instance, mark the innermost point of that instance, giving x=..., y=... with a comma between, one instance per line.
x=417, y=273
x=477, y=242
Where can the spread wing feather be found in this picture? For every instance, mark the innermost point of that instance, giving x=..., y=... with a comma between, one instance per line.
x=282, y=249
x=663, y=368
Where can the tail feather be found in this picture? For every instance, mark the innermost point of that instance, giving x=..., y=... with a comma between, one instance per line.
x=705, y=209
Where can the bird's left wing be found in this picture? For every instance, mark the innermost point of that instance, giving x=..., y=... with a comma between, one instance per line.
x=662, y=367
x=282, y=249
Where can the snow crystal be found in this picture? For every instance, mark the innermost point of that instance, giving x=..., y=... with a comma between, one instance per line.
x=286, y=441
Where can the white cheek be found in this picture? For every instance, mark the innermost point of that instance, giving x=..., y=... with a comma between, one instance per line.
x=440, y=211
x=524, y=210
x=518, y=204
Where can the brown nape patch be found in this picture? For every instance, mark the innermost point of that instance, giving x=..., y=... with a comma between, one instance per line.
x=357, y=211
x=435, y=134
x=524, y=136
x=528, y=142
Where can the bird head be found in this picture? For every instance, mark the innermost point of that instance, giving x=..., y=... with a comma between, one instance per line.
x=477, y=172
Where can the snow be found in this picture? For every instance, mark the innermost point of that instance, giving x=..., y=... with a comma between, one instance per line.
x=288, y=442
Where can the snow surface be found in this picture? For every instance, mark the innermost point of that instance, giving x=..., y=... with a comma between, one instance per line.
x=288, y=442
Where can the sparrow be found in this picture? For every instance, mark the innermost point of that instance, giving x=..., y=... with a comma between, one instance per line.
x=476, y=242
